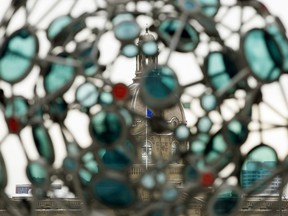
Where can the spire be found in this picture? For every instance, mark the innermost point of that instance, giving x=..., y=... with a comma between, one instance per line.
x=142, y=60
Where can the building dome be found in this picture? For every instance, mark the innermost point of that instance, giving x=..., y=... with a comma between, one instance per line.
x=160, y=144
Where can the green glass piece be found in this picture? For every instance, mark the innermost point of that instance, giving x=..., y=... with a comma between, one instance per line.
x=189, y=38
x=58, y=109
x=220, y=69
x=236, y=132
x=150, y=48
x=3, y=173
x=160, y=88
x=204, y=124
x=263, y=55
x=57, y=26
x=17, y=54
x=107, y=127
x=36, y=173
x=130, y=50
x=43, y=143
x=208, y=102
x=87, y=95
x=226, y=202
x=59, y=76
x=114, y=193
x=18, y=107
x=182, y=133
x=259, y=164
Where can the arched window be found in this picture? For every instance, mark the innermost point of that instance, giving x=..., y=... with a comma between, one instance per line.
x=174, y=147
x=147, y=152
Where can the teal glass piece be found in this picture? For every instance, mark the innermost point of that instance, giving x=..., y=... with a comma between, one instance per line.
x=119, y=158
x=85, y=176
x=204, y=124
x=149, y=48
x=191, y=6
x=105, y=98
x=114, y=193
x=37, y=173
x=259, y=164
x=169, y=194
x=198, y=145
x=107, y=128
x=59, y=77
x=58, y=109
x=57, y=26
x=208, y=102
x=125, y=27
x=90, y=163
x=3, y=173
x=130, y=50
x=89, y=65
x=189, y=38
x=128, y=118
x=282, y=42
x=87, y=95
x=220, y=69
x=263, y=55
x=17, y=55
x=209, y=7
x=43, y=143
x=225, y=202
x=160, y=88
x=236, y=132
x=18, y=107
x=182, y=133
x=70, y=164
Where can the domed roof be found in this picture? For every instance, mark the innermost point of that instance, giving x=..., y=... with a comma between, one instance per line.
x=146, y=37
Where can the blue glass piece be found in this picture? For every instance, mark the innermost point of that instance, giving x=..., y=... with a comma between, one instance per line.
x=225, y=202
x=169, y=194
x=106, y=127
x=17, y=55
x=259, y=164
x=114, y=193
x=3, y=173
x=263, y=55
x=70, y=164
x=282, y=42
x=57, y=26
x=59, y=77
x=236, y=132
x=189, y=38
x=182, y=132
x=208, y=102
x=43, y=143
x=191, y=174
x=149, y=113
x=105, y=98
x=120, y=157
x=58, y=109
x=125, y=27
x=87, y=95
x=220, y=69
x=37, y=173
x=204, y=124
x=149, y=48
x=130, y=50
x=209, y=7
x=160, y=88
x=148, y=181
x=18, y=107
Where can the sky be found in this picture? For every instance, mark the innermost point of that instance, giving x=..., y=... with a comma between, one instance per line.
x=122, y=71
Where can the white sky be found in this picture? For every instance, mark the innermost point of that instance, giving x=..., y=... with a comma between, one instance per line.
x=123, y=71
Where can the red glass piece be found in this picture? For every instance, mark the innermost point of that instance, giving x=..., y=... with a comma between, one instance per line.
x=14, y=124
x=207, y=179
x=120, y=91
